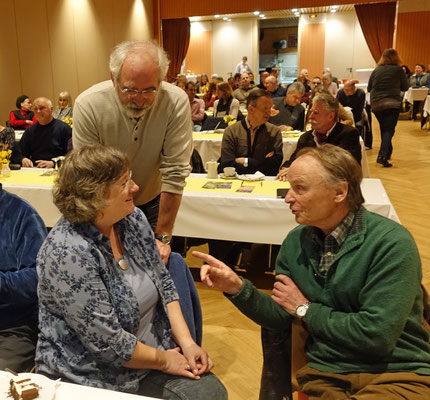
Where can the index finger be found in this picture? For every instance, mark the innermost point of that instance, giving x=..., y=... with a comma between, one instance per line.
x=206, y=257
x=284, y=279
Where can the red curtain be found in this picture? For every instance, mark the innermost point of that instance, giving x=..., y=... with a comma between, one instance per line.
x=377, y=23
x=176, y=39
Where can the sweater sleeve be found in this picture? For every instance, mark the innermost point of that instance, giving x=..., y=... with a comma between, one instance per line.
x=18, y=277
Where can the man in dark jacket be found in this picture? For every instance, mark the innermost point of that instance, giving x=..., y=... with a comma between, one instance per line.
x=22, y=234
x=326, y=129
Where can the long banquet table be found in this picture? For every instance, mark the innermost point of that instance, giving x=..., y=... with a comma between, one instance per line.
x=257, y=217
x=209, y=147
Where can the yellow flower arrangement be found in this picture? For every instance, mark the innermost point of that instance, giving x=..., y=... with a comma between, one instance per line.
x=68, y=121
x=229, y=120
x=5, y=154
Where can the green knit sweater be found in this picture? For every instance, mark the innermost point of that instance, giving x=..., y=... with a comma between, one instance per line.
x=366, y=315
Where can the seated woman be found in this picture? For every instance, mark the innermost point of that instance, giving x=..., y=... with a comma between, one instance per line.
x=23, y=117
x=65, y=109
x=327, y=80
x=109, y=311
x=7, y=142
x=226, y=104
x=203, y=85
x=210, y=96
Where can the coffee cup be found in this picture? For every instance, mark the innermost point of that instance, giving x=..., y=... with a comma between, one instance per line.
x=229, y=171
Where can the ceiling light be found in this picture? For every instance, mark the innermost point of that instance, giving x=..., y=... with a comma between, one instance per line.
x=216, y=16
x=313, y=16
x=229, y=20
x=334, y=7
x=225, y=18
x=262, y=16
x=333, y=10
x=297, y=14
x=294, y=10
x=256, y=12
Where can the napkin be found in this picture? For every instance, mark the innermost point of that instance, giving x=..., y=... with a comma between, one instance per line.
x=252, y=177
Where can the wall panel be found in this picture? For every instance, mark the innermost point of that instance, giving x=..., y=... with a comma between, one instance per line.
x=311, y=48
x=412, y=39
x=199, y=55
x=54, y=45
x=10, y=66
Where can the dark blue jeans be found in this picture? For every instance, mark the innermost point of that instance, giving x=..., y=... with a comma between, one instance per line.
x=387, y=119
x=170, y=387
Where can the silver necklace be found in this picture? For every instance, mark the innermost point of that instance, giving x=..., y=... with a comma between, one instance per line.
x=122, y=262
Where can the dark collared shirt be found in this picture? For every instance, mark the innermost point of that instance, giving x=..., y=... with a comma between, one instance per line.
x=330, y=244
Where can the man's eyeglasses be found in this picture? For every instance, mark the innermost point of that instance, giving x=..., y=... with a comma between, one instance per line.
x=126, y=184
x=134, y=92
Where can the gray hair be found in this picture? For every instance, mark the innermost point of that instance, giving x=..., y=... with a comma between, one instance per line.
x=66, y=95
x=339, y=166
x=296, y=87
x=328, y=75
x=84, y=179
x=45, y=99
x=124, y=49
x=330, y=103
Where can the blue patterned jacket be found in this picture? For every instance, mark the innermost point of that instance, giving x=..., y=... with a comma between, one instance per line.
x=87, y=312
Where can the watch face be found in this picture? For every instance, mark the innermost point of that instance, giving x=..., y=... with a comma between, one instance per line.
x=301, y=310
x=163, y=238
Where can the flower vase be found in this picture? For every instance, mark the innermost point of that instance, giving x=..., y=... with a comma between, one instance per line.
x=5, y=171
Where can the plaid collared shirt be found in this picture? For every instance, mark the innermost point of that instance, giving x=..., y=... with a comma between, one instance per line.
x=330, y=244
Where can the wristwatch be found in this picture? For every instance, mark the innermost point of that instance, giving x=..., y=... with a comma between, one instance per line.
x=245, y=163
x=302, y=309
x=166, y=239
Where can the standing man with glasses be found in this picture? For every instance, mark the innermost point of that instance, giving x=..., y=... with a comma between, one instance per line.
x=148, y=119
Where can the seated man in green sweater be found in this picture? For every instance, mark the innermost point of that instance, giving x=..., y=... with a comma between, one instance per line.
x=352, y=277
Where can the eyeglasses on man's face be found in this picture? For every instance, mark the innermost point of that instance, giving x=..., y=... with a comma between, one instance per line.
x=134, y=92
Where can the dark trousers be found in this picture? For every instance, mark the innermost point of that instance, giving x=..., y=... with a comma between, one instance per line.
x=17, y=347
x=150, y=209
x=387, y=119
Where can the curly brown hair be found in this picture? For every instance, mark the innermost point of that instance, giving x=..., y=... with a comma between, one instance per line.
x=84, y=178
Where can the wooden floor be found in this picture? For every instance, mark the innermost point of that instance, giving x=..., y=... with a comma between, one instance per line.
x=233, y=341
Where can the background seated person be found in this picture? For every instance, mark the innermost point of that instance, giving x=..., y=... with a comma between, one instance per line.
x=46, y=139
x=203, y=85
x=305, y=81
x=253, y=144
x=65, y=107
x=288, y=110
x=22, y=234
x=352, y=277
x=355, y=98
x=243, y=91
x=117, y=323
x=327, y=80
x=263, y=77
x=344, y=117
x=226, y=104
x=210, y=96
x=325, y=129
x=272, y=87
x=197, y=106
x=24, y=116
x=417, y=80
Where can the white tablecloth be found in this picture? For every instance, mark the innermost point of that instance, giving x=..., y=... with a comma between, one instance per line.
x=68, y=391
x=210, y=150
x=426, y=107
x=417, y=94
x=232, y=216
